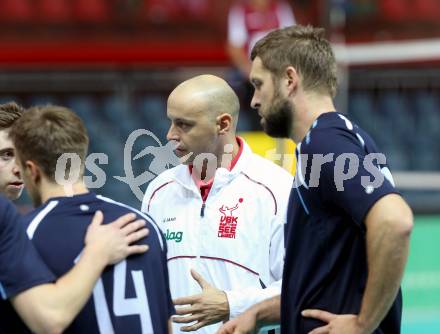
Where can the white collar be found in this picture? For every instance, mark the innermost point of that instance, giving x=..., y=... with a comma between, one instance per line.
x=222, y=175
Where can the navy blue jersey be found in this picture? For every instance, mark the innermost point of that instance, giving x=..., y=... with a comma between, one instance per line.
x=340, y=176
x=130, y=297
x=21, y=267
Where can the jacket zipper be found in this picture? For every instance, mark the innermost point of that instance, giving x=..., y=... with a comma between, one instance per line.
x=202, y=210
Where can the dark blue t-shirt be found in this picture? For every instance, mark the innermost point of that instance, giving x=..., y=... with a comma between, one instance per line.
x=21, y=267
x=339, y=178
x=130, y=297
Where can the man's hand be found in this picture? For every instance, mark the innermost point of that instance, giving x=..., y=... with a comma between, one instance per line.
x=112, y=242
x=336, y=323
x=207, y=308
x=243, y=324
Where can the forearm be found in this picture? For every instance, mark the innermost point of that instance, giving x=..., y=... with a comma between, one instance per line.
x=387, y=252
x=170, y=327
x=72, y=290
x=268, y=311
x=50, y=308
x=239, y=59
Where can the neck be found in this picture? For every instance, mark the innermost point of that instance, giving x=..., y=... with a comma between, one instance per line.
x=51, y=190
x=223, y=159
x=309, y=108
x=235, y=149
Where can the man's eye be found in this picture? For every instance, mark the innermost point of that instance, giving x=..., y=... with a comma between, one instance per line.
x=7, y=155
x=257, y=84
x=183, y=125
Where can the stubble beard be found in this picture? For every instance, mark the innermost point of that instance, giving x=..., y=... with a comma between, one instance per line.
x=279, y=119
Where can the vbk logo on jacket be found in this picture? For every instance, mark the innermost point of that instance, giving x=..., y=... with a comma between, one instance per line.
x=228, y=222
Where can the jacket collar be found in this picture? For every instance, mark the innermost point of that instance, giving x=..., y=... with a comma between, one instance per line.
x=222, y=177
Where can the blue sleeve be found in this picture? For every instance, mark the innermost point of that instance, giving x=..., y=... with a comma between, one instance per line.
x=356, y=175
x=20, y=265
x=171, y=309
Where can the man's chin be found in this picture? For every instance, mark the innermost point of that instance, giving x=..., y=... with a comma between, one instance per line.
x=267, y=128
x=14, y=193
x=274, y=131
x=13, y=196
x=185, y=158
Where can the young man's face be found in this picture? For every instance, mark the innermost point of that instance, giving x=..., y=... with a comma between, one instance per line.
x=276, y=112
x=11, y=184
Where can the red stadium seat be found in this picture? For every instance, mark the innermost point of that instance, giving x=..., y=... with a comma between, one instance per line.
x=93, y=11
x=16, y=10
x=395, y=10
x=161, y=11
x=427, y=10
x=54, y=11
x=197, y=9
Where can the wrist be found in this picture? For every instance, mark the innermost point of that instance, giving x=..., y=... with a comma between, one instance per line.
x=364, y=326
x=225, y=306
x=257, y=312
x=94, y=255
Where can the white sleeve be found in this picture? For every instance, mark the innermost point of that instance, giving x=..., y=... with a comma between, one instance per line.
x=240, y=300
x=285, y=14
x=237, y=34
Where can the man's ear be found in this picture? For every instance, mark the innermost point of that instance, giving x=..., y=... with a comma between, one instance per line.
x=292, y=80
x=33, y=170
x=224, y=123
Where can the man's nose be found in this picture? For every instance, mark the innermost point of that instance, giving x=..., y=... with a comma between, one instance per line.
x=255, y=102
x=172, y=134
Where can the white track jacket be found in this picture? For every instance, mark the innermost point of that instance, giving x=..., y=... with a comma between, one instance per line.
x=235, y=240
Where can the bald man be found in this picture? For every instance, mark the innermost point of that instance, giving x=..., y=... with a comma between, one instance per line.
x=222, y=210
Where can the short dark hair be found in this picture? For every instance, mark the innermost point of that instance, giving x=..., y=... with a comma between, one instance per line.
x=306, y=49
x=44, y=133
x=9, y=113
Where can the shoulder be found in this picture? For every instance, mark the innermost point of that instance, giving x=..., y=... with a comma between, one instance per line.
x=270, y=179
x=265, y=170
x=124, y=208
x=167, y=176
x=7, y=209
x=35, y=217
x=160, y=182
x=120, y=208
x=333, y=133
x=9, y=215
